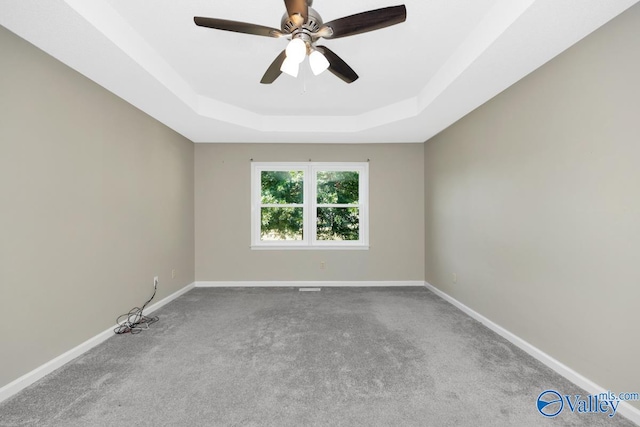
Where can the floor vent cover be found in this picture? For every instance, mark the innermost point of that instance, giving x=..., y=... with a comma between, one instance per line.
x=309, y=289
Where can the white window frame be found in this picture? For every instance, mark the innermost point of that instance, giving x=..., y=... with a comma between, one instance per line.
x=310, y=205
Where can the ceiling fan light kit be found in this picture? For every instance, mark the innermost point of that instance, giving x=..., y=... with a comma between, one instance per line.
x=304, y=27
x=296, y=50
x=290, y=67
x=318, y=62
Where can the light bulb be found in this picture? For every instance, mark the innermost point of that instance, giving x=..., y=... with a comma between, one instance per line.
x=290, y=67
x=318, y=62
x=296, y=50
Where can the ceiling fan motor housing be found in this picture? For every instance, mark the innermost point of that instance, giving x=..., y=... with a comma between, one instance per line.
x=313, y=24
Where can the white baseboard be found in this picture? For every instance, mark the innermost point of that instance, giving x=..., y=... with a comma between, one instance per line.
x=31, y=377
x=305, y=284
x=624, y=409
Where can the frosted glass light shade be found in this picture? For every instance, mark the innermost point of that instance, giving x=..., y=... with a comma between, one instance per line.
x=296, y=51
x=318, y=62
x=290, y=67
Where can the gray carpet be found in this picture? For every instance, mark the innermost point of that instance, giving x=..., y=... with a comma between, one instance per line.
x=280, y=357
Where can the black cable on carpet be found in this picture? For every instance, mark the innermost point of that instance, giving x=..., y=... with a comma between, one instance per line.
x=134, y=321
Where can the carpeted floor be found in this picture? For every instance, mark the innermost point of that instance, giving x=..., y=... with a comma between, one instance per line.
x=280, y=357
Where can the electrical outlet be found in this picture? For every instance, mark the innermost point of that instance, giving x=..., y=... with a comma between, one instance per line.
x=173, y=273
x=455, y=278
x=155, y=282
x=322, y=265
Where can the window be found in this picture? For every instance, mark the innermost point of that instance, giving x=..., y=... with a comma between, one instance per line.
x=309, y=205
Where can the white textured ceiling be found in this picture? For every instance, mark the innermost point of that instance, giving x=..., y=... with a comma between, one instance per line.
x=416, y=78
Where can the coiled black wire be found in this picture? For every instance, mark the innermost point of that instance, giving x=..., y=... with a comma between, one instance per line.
x=134, y=321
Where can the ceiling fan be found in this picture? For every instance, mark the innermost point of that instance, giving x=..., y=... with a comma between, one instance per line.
x=303, y=26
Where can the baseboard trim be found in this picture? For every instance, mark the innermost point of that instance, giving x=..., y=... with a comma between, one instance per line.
x=625, y=409
x=31, y=377
x=304, y=284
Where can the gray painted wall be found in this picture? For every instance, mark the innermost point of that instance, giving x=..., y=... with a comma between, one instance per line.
x=96, y=198
x=223, y=210
x=534, y=201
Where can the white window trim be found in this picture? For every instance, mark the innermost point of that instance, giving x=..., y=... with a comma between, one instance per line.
x=310, y=204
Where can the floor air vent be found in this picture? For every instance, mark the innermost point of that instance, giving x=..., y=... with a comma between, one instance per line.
x=309, y=289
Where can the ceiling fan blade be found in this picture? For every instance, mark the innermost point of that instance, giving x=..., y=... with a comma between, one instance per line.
x=337, y=66
x=273, y=72
x=297, y=7
x=364, y=22
x=238, y=27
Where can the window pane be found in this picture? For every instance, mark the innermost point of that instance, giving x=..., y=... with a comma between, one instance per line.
x=337, y=187
x=281, y=223
x=338, y=224
x=282, y=187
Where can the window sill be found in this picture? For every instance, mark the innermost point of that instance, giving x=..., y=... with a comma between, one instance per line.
x=309, y=248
